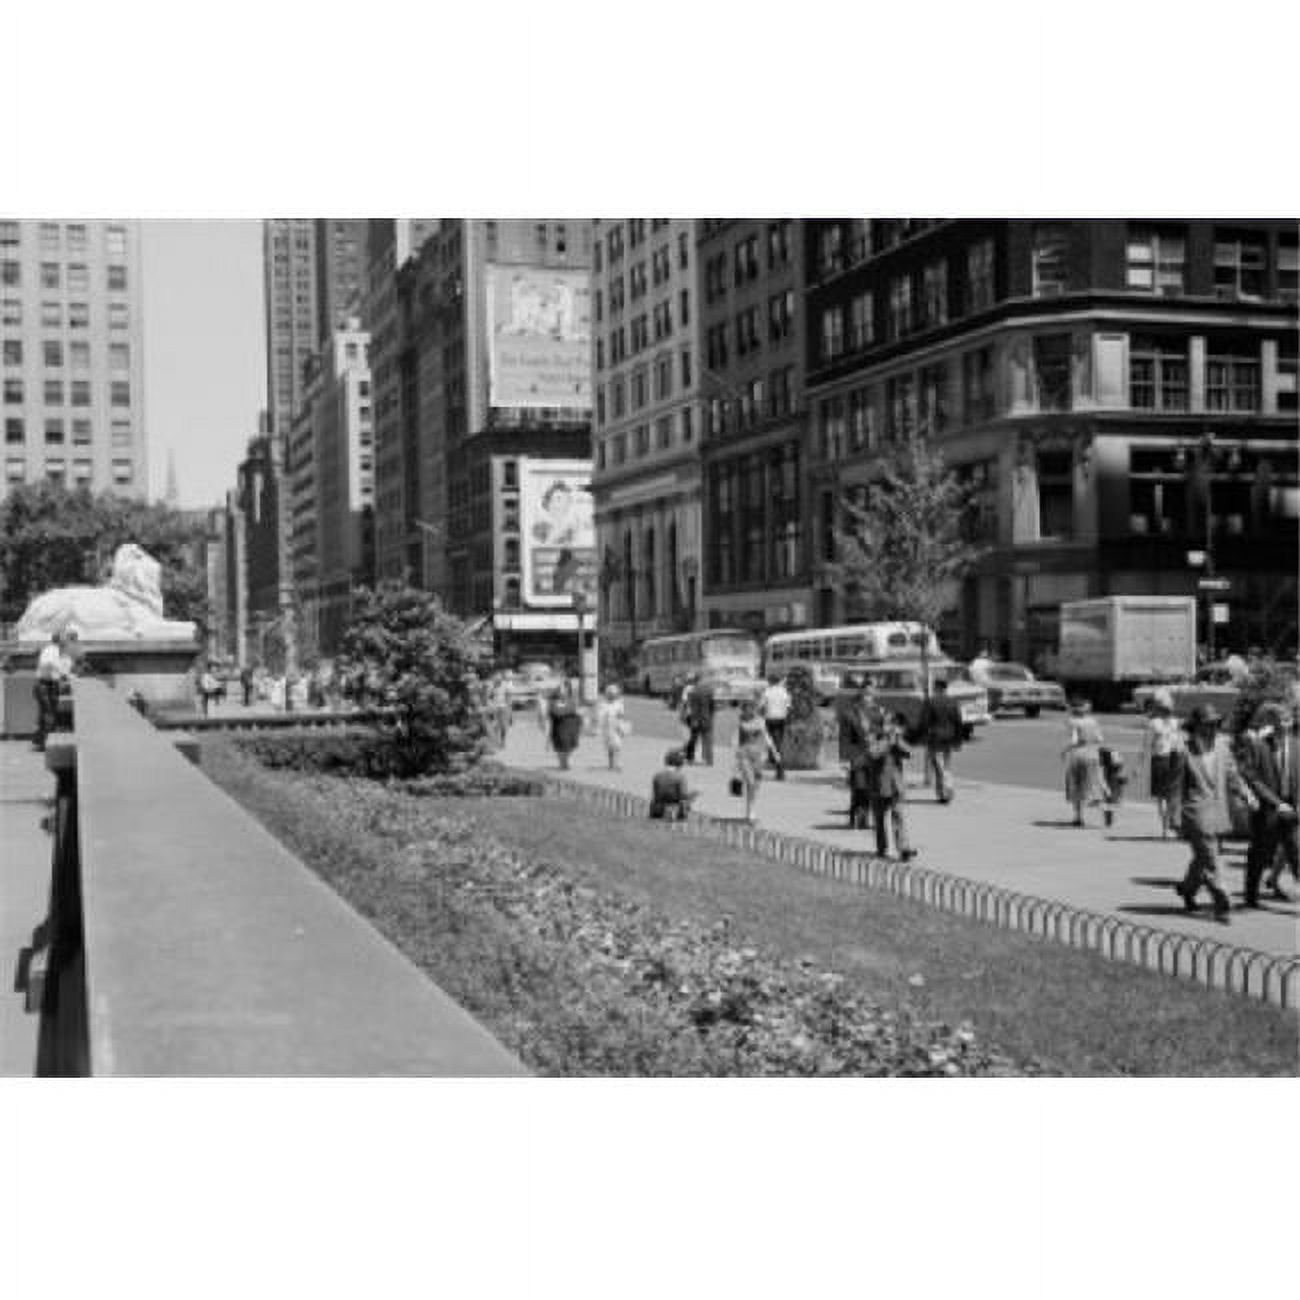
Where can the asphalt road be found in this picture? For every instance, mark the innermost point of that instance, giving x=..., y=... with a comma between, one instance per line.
x=1011, y=750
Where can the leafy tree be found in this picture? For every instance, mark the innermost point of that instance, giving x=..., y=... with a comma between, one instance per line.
x=421, y=662
x=904, y=546
x=802, y=743
x=54, y=536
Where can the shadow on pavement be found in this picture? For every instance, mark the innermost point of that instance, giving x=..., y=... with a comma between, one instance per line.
x=1175, y=909
x=1156, y=882
x=1062, y=826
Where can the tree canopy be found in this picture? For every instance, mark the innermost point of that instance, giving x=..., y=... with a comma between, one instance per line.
x=55, y=536
x=904, y=546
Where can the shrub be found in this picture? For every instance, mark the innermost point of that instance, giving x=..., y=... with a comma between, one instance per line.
x=422, y=663
x=801, y=748
x=343, y=750
x=1267, y=681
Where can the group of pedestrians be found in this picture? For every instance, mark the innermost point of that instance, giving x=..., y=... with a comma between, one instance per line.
x=562, y=720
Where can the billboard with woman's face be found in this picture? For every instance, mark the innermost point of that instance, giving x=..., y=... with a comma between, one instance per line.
x=559, y=550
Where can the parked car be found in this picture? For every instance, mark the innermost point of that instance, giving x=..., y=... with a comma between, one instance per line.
x=531, y=681
x=898, y=689
x=1013, y=686
x=1212, y=685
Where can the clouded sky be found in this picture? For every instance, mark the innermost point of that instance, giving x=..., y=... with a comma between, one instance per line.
x=205, y=358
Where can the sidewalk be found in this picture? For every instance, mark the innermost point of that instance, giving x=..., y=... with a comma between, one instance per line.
x=26, y=796
x=1006, y=836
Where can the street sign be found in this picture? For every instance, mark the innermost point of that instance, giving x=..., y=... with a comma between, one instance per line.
x=1214, y=584
x=1220, y=613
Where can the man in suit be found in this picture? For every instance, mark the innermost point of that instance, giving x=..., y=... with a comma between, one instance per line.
x=885, y=756
x=940, y=727
x=1203, y=775
x=1268, y=765
x=700, y=706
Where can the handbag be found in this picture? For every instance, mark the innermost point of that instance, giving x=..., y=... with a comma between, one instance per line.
x=736, y=786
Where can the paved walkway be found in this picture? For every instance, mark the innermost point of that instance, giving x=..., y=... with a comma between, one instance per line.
x=26, y=797
x=1008, y=836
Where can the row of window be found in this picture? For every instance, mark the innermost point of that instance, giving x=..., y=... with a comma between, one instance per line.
x=744, y=260
x=636, y=236
x=626, y=341
x=758, y=400
x=52, y=276
x=53, y=316
x=78, y=431
x=78, y=391
x=74, y=236
x=755, y=524
x=750, y=331
x=636, y=387
x=78, y=354
x=56, y=471
x=841, y=245
x=661, y=435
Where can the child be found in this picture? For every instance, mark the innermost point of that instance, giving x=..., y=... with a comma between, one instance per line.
x=612, y=724
x=670, y=800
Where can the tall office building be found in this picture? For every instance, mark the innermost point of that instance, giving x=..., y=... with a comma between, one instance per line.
x=292, y=314
x=72, y=354
x=340, y=274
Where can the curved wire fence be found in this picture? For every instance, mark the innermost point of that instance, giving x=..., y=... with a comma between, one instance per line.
x=1207, y=961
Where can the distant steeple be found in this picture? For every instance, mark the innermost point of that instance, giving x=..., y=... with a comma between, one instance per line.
x=172, y=496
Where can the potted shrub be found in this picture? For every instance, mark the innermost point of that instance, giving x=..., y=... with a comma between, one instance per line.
x=801, y=748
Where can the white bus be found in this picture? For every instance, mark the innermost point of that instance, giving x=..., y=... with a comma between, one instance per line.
x=729, y=659
x=831, y=651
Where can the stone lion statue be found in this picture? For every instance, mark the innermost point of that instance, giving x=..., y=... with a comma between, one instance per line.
x=128, y=607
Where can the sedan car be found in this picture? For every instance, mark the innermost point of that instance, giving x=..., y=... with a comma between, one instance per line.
x=1013, y=686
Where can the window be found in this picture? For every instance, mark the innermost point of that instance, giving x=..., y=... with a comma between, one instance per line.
x=688, y=425
x=14, y=391
x=617, y=397
x=49, y=275
x=11, y=274
x=639, y=391
x=832, y=333
x=48, y=236
x=1050, y=270
x=78, y=316
x=119, y=315
x=746, y=260
x=663, y=432
x=663, y=377
x=78, y=278
x=934, y=398
x=642, y=436
x=900, y=402
x=53, y=353
x=747, y=337
x=15, y=430
x=80, y=432
x=11, y=312
x=1287, y=371
x=862, y=326
x=77, y=238
x=53, y=394
x=1238, y=266
x=862, y=432
x=834, y=428
x=1156, y=260
x=81, y=471
x=115, y=241
x=780, y=399
x=686, y=367
x=1052, y=371
x=80, y=392
x=55, y=470
x=52, y=315
x=121, y=472
x=778, y=244
x=600, y=404
x=979, y=276
x=1288, y=270
x=683, y=251
x=1055, y=494
x=685, y=308
x=1231, y=380
x=934, y=283
x=10, y=234
x=79, y=356
x=830, y=249
x=117, y=277
x=1157, y=373
x=54, y=429
x=900, y=306
x=13, y=352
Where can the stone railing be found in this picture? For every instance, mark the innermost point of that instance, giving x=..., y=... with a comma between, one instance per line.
x=184, y=939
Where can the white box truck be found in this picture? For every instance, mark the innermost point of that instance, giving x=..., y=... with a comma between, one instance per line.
x=1113, y=643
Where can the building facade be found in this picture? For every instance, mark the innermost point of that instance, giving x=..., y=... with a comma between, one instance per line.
x=293, y=313
x=1119, y=395
x=72, y=354
x=646, y=369
x=256, y=500
x=755, y=427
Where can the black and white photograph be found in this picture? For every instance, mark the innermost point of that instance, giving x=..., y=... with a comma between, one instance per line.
x=531, y=668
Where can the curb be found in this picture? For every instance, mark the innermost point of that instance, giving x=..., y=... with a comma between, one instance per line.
x=1244, y=971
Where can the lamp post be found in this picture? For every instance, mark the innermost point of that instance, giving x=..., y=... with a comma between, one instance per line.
x=1205, y=454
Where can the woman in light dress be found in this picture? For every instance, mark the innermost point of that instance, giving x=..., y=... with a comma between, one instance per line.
x=1161, y=740
x=612, y=724
x=753, y=750
x=1084, y=785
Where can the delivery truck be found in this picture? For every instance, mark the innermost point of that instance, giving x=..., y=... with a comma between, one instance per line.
x=1113, y=643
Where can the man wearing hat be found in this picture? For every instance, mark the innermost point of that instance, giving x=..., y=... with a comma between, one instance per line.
x=1203, y=775
x=1268, y=765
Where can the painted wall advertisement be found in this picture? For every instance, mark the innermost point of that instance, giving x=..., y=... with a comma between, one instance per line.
x=559, y=551
x=539, y=328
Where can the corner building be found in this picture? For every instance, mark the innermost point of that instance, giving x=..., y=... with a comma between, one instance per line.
x=646, y=484
x=1072, y=372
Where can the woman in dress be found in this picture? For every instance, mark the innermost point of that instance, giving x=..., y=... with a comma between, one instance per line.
x=753, y=750
x=1083, y=780
x=1162, y=738
x=612, y=724
x=565, y=723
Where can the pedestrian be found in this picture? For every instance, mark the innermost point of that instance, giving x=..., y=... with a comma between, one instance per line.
x=940, y=728
x=1237, y=669
x=700, y=708
x=565, y=722
x=1084, y=785
x=775, y=709
x=855, y=732
x=1160, y=738
x=980, y=667
x=885, y=760
x=500, y=708
x=612, y=724
x=670, y=796
x=246, y=684
x=1268, y=767
x=753, y=749
x=208, y=688
x=1205, y=775
x=53, y=671
x=1288, y=758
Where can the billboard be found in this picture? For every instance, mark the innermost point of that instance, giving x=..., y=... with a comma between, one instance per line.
x=539, y=337
x=559, y=532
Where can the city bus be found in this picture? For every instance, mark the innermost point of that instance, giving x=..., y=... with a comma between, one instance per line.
x=729, y=659
x=830, y=652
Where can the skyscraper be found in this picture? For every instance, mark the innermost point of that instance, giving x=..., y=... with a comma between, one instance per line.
x=292, y=314
x=72, y=354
